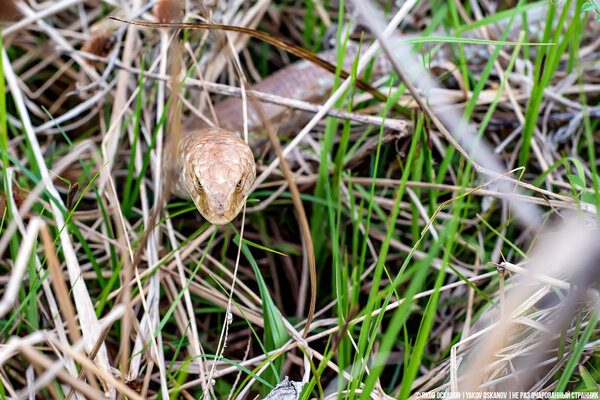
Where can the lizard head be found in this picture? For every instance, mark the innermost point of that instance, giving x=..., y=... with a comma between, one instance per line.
x=218, y=172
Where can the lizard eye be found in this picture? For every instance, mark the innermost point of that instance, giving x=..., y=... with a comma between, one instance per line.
x=199, y=186
x=239, y=184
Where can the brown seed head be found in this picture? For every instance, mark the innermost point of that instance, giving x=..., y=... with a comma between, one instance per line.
x=166, y=11
x=8, y=10
x=100, y=45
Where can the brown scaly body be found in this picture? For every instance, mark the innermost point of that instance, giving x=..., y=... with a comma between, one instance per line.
x=215, y=168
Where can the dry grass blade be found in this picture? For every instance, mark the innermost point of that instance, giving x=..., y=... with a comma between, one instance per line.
x=303, y=221
x=42, y=361
x=289, y=47
x=16, y=278
x=60, y=288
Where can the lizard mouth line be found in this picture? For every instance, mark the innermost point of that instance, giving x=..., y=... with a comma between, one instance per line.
x=219, y=220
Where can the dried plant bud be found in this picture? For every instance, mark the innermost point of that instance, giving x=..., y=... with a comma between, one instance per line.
x=166, y=11
x=8, y=10
x=3, y=209
x=99, y=45
x=18, y=197
x=136, y=384
x=71, y=197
